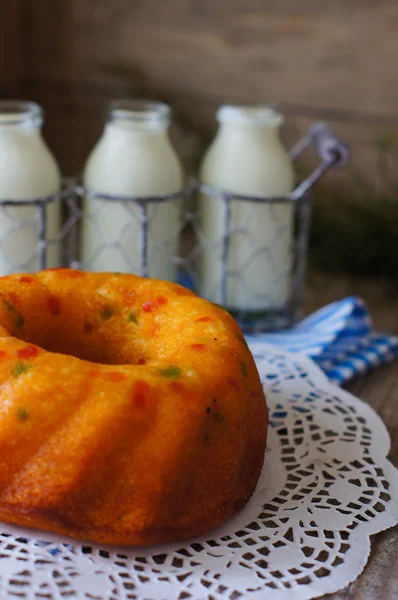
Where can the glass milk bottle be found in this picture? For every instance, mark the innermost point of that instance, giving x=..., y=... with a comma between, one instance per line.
x=28, y=170
x=134, y=157
x=247, y=158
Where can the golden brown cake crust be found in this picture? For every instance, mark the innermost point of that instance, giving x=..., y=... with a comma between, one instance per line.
x=131, y=411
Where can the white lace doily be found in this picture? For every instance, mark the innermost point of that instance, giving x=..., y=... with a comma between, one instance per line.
x=325, y=488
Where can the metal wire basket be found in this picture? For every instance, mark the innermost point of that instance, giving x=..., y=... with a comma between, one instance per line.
x=178, y=256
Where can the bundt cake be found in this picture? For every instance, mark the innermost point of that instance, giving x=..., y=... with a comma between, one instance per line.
x=131, y=410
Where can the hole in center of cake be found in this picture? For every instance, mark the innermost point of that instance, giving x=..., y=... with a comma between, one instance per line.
x=109, y=346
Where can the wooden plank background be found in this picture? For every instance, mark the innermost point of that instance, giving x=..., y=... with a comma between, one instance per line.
x=333, y=61
x=10, y=48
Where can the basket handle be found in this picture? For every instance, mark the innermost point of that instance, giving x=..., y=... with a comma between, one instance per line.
x=332, y=151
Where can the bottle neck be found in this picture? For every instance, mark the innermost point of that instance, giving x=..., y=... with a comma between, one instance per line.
x=252, y=123
x=132, y=117
x=236, y=131
x=19, y=116
x=125, y=129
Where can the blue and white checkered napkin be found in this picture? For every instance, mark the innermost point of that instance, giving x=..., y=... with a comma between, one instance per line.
x=339, y=338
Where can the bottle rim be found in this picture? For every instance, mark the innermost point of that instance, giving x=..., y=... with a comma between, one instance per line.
x=259, y=115
x=17, y=112
x=140, y=111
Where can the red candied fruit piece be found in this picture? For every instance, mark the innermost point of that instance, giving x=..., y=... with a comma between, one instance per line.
x=88, y=327
x=67, y=273
x=3, y=354
x=150, y=306
x=234, y=383
x=115, y=376
x=26, y=279
x=181, y=291
x=198, y=346
x=140, y=393
x=177, y=386
x=54, y=304
x=203, y=319
x=28, y=352
x=15, y=299
x=93, y=373
x=73, y=273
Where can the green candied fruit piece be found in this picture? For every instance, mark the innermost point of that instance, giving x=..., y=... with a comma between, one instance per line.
x=20, y=368
x=241, y=339
x=243, y=368
x=106, y=313
x=9, y=306
x=132, y=318
x=173, y=372
x=20, y=322
x=218, y=306
x=218, y=417
x=22, y=414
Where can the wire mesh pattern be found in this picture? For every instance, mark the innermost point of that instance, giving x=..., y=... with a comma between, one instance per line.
x=247, y=253
x=325, y=488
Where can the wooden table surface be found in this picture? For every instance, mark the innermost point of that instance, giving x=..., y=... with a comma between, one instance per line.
x=379, y=580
